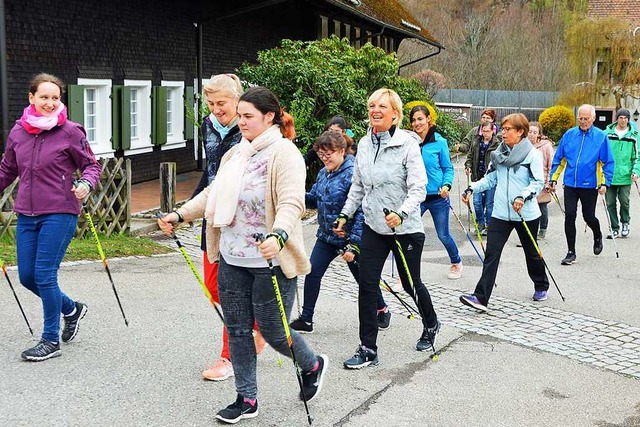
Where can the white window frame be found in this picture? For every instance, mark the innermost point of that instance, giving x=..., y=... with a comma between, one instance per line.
x=143, y=143
x=175, y=91
x=102, y=146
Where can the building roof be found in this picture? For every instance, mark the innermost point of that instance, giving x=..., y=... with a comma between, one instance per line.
x=390, y=13
x=628, y=10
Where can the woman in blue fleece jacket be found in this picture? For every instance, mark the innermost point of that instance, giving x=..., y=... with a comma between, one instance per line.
x=328, y=195
x=435, y=154
x=517, y=174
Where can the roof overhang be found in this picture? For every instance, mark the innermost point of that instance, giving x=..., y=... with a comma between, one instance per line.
x=412, y=31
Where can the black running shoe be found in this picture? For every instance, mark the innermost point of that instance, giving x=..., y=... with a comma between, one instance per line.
x=302, y=326
x=597, y=245
x=569, y=259
x=312, y=380
x=238, y=410
x=42, y=351
x=427, y=340
x=364, y=357
x=72, y=323
x=384, y=319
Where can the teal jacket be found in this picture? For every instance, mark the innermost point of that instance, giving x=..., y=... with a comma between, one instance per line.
x=524, y=179
x=437, y=162
x=625, y=153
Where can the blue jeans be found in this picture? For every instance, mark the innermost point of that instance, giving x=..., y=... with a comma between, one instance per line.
x=321, y=256
x=247, y=294
x=483, y=206
x=439, y=209
x=41, y=244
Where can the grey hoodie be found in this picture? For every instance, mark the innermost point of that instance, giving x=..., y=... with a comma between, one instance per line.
x=389, y=173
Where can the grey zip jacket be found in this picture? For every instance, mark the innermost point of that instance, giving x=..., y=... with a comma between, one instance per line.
x=389, y=173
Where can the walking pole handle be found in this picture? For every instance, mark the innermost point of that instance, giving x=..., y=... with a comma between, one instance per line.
x=387, y=212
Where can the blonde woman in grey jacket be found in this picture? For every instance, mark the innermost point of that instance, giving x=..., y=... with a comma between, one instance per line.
x=389, y=174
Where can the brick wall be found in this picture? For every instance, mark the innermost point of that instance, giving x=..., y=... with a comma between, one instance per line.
x=148, y=40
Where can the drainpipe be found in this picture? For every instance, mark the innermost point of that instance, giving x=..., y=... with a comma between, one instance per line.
x=199, y=60
x=4, y=87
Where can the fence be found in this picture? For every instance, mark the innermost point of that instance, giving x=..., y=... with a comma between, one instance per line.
x=109, y=204
x=531, y=104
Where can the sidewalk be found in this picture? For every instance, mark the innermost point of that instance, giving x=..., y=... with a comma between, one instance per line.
x=525, y=363
x=146, y=195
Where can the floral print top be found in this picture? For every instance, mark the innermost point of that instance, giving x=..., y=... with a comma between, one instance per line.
x=237, y=244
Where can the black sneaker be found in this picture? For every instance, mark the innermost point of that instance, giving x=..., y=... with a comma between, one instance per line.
x=597, y=245
x=364, y=357
x=42, y=351
x=569, y=259
x=72, y=323
x=427, y=340
x=301, y=326
x=384, y=319
x=312, y=380
x=238, y=410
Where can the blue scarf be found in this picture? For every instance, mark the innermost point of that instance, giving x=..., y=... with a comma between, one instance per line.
x=222, y=130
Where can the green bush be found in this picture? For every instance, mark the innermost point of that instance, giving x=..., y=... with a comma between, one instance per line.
x=556, y=121
x=316, y=80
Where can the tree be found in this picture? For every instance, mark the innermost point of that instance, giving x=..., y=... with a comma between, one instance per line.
x=318, y=79
x=604, y=55
x=495, y=44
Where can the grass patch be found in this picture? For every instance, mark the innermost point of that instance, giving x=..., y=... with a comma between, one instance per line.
x=85, y=249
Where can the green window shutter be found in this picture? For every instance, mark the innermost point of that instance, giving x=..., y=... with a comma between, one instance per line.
x=120, y=117
x=116, y=116
x=189, y=103
x=159, y=115
x=125, y=128
x=75, y=103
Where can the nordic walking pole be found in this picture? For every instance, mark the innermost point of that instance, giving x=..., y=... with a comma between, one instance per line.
x=287, y=332
x=6, y=275
x=475, y=225
x=535, y=245
x=386, y=212
x=637, y=188
x=87, y=215
x=613, y=237
x=405, y=304
x=467, y=233
x=555, y=197
x=385, y=285
x=194, y=270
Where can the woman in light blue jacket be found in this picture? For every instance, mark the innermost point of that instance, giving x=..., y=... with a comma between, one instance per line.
x=517, y=174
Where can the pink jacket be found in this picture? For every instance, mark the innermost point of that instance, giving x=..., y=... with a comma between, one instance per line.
x=545, y=146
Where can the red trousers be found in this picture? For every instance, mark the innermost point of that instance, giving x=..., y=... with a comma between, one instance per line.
x=211, y=282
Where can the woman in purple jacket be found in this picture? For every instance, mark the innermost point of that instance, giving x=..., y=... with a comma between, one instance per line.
x=44, y=150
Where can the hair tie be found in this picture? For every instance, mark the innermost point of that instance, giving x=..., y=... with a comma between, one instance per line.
x=349, y=133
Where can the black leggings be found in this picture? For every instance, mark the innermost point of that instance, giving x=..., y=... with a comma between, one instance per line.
x=374, y=249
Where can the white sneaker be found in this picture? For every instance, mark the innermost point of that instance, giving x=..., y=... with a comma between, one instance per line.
x=455, y=271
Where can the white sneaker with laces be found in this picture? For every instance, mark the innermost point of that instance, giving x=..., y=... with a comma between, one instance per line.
x=455, y=271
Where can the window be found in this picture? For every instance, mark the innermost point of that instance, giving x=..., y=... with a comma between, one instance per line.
x=139, y=116
x=135, y=134
x=95, y=114
x=90, y=113
x=174, y=108
x=324, y=27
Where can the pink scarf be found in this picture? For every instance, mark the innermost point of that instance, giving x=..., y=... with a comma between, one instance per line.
x=34, y=122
